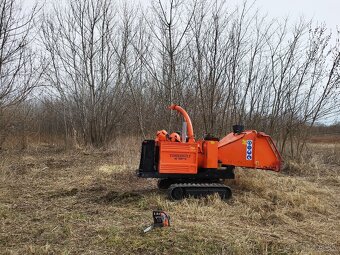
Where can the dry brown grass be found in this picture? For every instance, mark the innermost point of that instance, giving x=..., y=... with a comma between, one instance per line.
x=90, y=202
x=326, y=138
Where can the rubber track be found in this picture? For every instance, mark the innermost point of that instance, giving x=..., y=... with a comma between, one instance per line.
x=201, y=190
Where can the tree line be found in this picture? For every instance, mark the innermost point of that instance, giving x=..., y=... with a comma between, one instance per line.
x=89, y=71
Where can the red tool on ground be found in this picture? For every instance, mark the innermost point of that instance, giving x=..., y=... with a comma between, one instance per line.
x=187, y=167
x=160, y=219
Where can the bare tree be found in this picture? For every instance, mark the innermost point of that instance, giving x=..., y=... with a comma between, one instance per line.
x=19, y=71
x=116, y=66
x=87, y=67
x=169, y=25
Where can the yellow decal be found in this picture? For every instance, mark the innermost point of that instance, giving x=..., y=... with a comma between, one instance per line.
x=244, y=142
x=212, y=142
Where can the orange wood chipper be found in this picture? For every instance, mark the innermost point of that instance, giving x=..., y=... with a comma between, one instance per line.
x=187, y=167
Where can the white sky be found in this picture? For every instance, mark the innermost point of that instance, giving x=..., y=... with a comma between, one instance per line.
x=321, y=11
x=327, y=11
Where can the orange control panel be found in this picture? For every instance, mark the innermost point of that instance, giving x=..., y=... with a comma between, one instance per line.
x=177, y=158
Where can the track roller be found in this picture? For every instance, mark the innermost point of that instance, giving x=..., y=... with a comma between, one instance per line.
x=183, y=190
x=165, y=183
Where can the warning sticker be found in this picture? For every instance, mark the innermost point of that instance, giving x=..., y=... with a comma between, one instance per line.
x=180, y=156
x=249, y=150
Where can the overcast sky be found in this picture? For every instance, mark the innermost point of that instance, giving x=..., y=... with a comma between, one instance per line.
x=321, y=11
x=327, y=11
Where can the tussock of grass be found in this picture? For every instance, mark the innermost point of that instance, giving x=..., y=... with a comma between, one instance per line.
x=329, y=153
x=109, y=169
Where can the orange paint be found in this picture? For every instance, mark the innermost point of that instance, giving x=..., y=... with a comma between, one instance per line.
x=208, y=154
x=249, y=149
x=177, y=158
x=191, y=137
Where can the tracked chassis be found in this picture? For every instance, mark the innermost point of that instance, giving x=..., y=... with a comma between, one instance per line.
x=205, y=182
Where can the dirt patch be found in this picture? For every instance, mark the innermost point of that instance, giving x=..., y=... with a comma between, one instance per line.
x=58, y=163
x=123, y=197
x=95, y=189
x=20, y=168
x=64, y=193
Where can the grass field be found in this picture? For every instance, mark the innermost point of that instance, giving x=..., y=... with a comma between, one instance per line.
x=76, y=202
